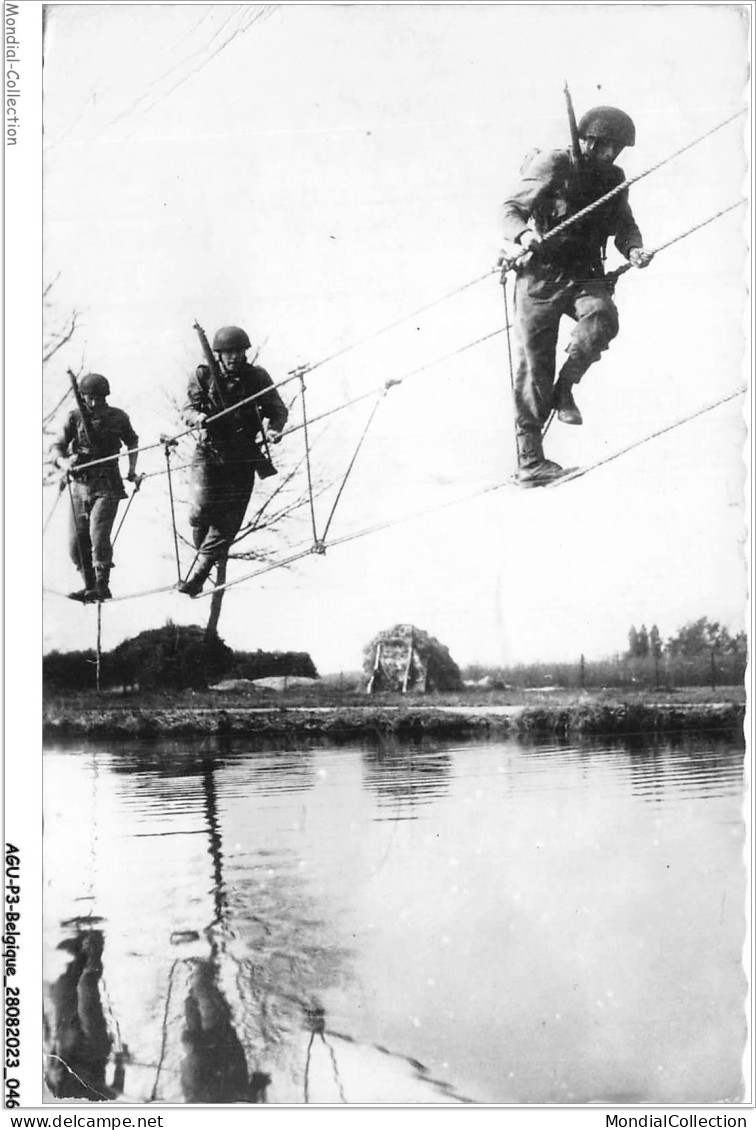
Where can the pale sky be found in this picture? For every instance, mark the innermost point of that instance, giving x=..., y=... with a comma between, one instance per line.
x=325, y=170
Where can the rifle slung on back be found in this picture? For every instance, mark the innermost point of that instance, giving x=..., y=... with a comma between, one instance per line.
x=265, y=467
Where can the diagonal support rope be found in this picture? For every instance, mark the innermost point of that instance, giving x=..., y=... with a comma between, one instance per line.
x=621, y=270
x=58, y=494
x=75, y=525
x=398, y=322
x=580, y=471
x=508, y=328
x=360, y=442
x=612, y=276
x=302, y=390
x=168, y=444
x=380, y=389
x=132, y=496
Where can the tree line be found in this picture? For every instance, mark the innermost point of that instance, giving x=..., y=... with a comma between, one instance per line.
x=172, y=657
x=701, y=653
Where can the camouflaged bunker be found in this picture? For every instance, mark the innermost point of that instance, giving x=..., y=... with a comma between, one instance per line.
x=405, y=658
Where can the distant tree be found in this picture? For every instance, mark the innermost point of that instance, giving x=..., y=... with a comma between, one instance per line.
x=655, y=650
x=632, y=639
x=739, y=644
x=642, y=643
x=699, y=637
x=700, y=646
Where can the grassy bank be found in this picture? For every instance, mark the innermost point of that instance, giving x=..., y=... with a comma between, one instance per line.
x=324, y=711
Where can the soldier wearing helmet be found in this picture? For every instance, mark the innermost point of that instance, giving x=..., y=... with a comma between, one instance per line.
x=565, y=275
x=228, y=453
x=96, y=433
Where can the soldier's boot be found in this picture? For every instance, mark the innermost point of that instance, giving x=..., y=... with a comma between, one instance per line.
x=193, y=584
x=102, y=590
x=87, y=594
x=534, y=470
x=564, y=402
x=570, y=374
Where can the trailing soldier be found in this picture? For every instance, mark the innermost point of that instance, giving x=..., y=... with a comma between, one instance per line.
x=94, y=432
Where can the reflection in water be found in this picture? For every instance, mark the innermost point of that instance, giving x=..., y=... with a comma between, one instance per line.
x=498, y=923
x=81, y=1041
x=214, y=1068
x=406, y=775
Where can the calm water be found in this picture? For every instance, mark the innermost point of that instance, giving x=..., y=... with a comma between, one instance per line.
x=490, y=923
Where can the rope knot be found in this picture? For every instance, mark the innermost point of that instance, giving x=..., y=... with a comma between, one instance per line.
x=318, y=547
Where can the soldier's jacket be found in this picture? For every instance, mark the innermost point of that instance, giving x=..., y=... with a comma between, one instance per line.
x=550, y=190
x=238, y=431
x=110, y=429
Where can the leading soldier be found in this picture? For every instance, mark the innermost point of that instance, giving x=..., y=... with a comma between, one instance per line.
x=565, y=275
x=228, y=453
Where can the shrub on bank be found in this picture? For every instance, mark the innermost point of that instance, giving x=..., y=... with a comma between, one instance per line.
x=174, y=657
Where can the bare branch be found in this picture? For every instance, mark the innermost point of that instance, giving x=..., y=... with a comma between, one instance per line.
x=48, y=288
x=54, y=411
x=59, y=338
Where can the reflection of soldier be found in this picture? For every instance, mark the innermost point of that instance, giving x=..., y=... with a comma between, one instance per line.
x=82, y=1045
x=214, y=1069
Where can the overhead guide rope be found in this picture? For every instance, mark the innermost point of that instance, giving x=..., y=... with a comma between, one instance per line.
x=296, y=374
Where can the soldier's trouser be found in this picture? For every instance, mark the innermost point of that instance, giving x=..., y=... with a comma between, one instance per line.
x=90, y=523
x=220, y=494
x=539, y=306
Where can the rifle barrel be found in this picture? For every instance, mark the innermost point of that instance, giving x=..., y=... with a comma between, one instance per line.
x=82, y=408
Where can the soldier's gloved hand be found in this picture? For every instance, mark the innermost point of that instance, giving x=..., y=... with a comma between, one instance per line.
x=199, y=424
x=66, y=464
x=133, y=477
x=529, y=240
x=640, y=258
x=511, y=253
x=274, y=436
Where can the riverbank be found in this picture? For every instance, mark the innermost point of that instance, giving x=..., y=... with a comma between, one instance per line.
x=559, y=714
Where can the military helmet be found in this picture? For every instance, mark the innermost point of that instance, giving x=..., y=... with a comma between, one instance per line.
x=94, y=384
x=230, y=338
x=608, y=122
